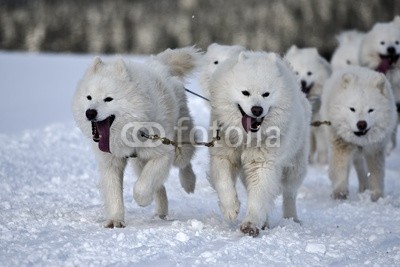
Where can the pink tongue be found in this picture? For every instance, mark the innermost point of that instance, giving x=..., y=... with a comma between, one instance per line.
x=384, y=66
x=103, y=127
x=247, y=121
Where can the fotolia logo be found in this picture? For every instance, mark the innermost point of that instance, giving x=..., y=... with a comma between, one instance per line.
x=152, y=134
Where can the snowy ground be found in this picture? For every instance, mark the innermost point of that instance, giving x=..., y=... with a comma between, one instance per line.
x=51, y=212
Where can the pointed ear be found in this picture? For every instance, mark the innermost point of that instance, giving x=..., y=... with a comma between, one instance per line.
x=121, y=68
x=340, y=38
x=274, y=56
x=95, y=66
x=347, y=79
x=381, y=84
x=292, y=50
x=242, y=56
x=396, y=20
x=211, y=46
x=314, y=51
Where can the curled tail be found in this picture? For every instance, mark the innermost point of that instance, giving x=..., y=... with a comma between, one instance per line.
x=180, y=61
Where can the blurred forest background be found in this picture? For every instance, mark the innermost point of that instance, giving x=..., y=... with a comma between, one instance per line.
x=150, y=26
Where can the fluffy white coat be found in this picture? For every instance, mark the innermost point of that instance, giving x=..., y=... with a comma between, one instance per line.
x=215, y=55
x=360, y=106
x=312, y=71
x=380, y=51
x=270, y=157
x=125, y=97
x=348, y=49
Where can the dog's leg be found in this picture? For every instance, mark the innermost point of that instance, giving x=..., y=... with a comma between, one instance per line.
x=391, y=145
x=187, y=178
x=160, y=197
x=361, y=169
x=151, y=179
x=339, y=167
x=321, y=146
x=376, y=167
x=313, y=146
x=292, y=179
x=184, y=154
x=262, y=184
x=111, y=185
x=223, y=178
x=161, y=203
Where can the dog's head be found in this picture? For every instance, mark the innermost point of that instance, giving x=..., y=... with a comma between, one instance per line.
x=382, y=44
x=248, y=90
x=100, y=100
x=309, y=67
x=347, y=52
x=362, y=108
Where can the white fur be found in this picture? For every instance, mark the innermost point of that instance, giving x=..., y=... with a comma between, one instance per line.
x=352, y=95
x=150, y=92
x=216, y=54
x=312, y=70
x=347, y=52
x=375, y=43
x=266, y=168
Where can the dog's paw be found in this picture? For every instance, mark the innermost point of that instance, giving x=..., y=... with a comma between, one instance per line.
x=340, y=195
x=376, y=195
x=250, y=229
x=143, y=200
x=142, y=195
x=187, y=179
x=230, y=210
x=114, y=224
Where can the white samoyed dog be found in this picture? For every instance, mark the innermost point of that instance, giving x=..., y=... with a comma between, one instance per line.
x=215, y=55
x=263, y=122
x=116, y=104
x=312, y=71
x=380, y=51
x=360, y=106
x=346, y=53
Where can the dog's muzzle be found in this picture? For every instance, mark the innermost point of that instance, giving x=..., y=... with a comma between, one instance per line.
x=250, y=123
x=101, y=132
x=387, y=61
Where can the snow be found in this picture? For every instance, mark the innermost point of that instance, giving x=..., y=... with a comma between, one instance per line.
x=51, y=211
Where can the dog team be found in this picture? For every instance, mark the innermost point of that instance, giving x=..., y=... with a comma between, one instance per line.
x=261, y=106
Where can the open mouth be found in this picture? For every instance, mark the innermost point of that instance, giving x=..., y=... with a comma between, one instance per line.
x=250, y=123
x=306, y=89
x=101, y=133
x=386, y=62
x=361, y=133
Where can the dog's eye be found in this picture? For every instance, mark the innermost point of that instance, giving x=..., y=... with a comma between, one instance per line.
x=89, y=97
x=370, y=110
x=352, y=109
x=397, y=42
x=309, y=73
x=266, y=94
x=382, y=43
x=216, y=62
x=246, y=93
x=108, y=99
x=348, y=62
x=297, y=73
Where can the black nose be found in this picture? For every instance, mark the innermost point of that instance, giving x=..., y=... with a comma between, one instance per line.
x=391, y=50
x=91, y=114
x=257, y=110
x=362, y=125
x=304, y=88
